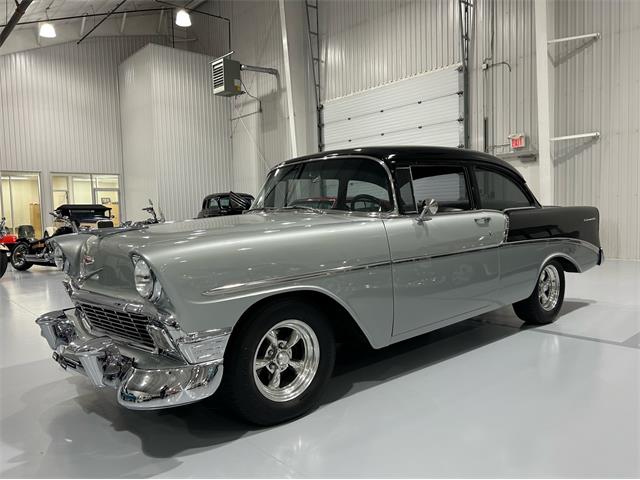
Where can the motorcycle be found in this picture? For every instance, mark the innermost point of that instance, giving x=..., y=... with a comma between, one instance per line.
x=149, y=221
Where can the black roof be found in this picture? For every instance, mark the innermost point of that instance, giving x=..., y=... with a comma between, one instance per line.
x=415, y=154
x=83, y=206
x=213, y=195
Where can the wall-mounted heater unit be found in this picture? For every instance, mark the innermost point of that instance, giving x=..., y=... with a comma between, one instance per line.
x=226, y=77
x=225, y=74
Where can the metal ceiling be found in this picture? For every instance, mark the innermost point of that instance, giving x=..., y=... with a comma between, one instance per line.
x=41, y=9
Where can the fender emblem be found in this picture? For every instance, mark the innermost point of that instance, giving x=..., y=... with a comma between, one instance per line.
x=591, y=219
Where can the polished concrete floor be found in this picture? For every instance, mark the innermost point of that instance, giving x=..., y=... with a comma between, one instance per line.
x=486, y=397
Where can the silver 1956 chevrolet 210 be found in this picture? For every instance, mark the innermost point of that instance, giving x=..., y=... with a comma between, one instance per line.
x=379, y=243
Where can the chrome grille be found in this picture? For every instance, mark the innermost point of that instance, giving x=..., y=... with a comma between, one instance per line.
x=125, y=325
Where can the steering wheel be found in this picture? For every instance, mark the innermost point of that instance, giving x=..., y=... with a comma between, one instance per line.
x=363, y=197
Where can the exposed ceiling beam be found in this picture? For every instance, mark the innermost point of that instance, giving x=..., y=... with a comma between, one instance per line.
x=15, y=18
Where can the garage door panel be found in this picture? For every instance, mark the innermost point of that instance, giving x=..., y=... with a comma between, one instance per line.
x=447, y=133
x=394, y=119
x=423, y=110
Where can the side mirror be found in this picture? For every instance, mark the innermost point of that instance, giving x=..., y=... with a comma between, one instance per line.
x=429, y=208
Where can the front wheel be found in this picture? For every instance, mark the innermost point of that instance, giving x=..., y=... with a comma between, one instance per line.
x=544, y=304
x=18, y=260
x=278, y=362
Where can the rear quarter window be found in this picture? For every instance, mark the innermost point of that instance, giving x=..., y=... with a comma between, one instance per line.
x=499, y=192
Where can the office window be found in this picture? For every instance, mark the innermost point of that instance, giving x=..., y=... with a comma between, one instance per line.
x=76, y=188
x=20, y=193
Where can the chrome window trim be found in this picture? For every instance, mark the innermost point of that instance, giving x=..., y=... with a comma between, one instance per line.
x=395, y=211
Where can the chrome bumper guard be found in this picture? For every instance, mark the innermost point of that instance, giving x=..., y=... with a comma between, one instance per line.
x=143, y=380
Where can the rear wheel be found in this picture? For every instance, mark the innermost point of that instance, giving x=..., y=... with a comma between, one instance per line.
x=278, y=362
x=18, y=260
x=544, y=304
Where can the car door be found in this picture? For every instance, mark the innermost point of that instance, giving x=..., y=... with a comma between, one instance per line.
x=445, y=267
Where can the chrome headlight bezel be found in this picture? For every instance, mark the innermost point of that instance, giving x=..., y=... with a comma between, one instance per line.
x=147, y=285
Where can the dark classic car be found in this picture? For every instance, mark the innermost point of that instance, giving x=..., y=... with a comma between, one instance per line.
x=29, y=251
x=380, y=244
x=230, y=203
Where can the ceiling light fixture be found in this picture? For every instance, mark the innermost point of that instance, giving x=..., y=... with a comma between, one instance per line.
x=182, y=18
x=47, y=30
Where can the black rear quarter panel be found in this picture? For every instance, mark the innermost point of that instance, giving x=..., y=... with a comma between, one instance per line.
x=555, y=222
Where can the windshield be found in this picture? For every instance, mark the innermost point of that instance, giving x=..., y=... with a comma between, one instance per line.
x=352, y=184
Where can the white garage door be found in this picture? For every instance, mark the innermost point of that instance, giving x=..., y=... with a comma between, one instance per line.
x=423, y=110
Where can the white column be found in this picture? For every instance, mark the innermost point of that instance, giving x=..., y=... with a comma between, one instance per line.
x=288, y=82
x=544, y=116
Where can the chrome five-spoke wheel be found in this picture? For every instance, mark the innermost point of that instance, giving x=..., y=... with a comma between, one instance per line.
x=544, y=303
x=286, y=360
x=278, y=361
x=549, y=287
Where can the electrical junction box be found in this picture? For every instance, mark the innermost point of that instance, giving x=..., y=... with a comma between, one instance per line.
x=225, y=74
x=517, y=141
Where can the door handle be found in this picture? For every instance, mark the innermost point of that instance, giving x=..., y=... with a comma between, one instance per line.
x=482, y=220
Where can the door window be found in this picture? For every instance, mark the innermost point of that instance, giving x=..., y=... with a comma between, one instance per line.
x=445, y=184
x=498, y=192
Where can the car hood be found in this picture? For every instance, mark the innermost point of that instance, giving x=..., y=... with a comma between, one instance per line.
x=179, y=249
x=222, y=228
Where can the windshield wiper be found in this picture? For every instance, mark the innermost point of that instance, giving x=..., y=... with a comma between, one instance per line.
x=259, y=209
x=302, y=207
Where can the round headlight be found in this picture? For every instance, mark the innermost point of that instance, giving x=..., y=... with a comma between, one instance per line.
x=58, y=257
x=146, y=283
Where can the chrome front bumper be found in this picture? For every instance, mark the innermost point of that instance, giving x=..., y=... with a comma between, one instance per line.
x=143, y=380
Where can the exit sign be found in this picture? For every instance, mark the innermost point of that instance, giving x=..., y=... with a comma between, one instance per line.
x=517, y=140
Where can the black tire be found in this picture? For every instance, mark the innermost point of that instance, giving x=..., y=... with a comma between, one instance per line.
x=538, y=307
x=239, y=384
x=3, y=262
x=17, y=263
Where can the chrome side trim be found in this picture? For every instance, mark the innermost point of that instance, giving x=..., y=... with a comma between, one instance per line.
x=577, y=241
x=419, y=258
x=234, y=287
x=275, y=281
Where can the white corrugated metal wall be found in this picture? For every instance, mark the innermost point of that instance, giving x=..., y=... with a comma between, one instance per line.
x=185, y=128
x=597, y=88
x=59, y=109
x=370, y=43
x=260, y=139
x=366, y=44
